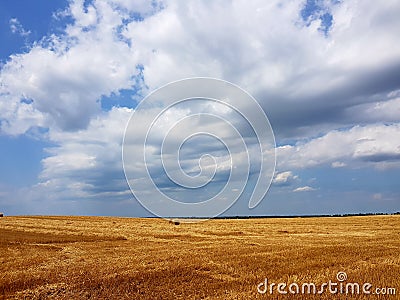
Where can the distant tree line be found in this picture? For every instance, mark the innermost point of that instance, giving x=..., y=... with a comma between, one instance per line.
x=295, y=216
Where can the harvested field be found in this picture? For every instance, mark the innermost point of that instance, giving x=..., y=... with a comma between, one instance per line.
x=128, y=258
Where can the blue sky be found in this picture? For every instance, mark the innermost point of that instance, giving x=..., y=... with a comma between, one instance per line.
x=326, y=73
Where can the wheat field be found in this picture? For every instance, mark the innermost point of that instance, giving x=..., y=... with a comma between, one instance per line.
x=133, y=258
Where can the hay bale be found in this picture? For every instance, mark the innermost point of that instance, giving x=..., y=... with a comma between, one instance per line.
x=174, y=222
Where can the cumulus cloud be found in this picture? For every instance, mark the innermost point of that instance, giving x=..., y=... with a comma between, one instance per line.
x=304, y=189
x=376, y=145
x=328, y=79
x=303, y=79
x=64, y=77
x=284, y=178
x=192, y=143
x=87, y=163
x=302, y=76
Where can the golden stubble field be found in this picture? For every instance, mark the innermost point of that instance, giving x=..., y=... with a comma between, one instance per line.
x=128, y=258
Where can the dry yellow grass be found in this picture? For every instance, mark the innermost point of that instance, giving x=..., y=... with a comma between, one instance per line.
x=123, y=258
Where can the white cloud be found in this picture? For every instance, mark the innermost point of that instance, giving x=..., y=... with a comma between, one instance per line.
x=65, y=76
x=18, y=117
x=188, y=133
x=87, y=163
x=304, y=189
x=377, y=145
x=17, y=28
x=142, y=7
x=284, y=178
x=379, y=111
x=297, y=73
x=338, y=164
x=187, y=39
x=310, y=84
x=304, y=61
x=373, y=38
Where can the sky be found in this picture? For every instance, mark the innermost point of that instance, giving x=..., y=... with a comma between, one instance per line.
x=326, y=73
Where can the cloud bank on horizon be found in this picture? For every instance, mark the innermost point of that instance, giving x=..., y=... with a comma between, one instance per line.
x=326, y=73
